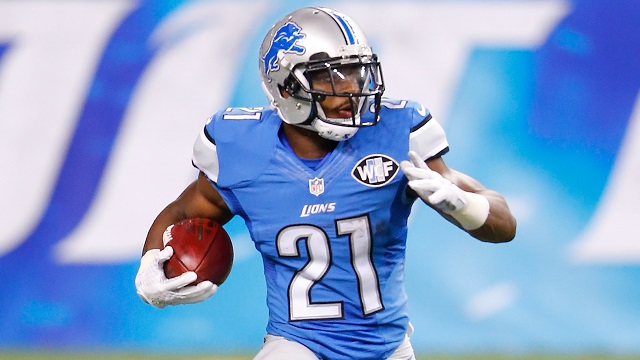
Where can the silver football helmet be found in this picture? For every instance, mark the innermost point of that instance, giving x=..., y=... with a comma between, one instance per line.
x=317, y=52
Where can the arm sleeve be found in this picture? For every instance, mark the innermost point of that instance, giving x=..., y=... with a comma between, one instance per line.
x=205, y=153
x=428, y=139
x=205, y=158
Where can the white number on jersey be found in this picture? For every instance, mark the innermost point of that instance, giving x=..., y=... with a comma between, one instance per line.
x=319, y=253
x=243, y=113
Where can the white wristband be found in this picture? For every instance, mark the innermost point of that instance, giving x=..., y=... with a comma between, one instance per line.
x=474, y=213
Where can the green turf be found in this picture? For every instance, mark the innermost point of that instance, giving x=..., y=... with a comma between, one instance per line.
x=121, y=356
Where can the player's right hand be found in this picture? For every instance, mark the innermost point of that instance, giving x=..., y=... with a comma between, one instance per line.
x=155, y=289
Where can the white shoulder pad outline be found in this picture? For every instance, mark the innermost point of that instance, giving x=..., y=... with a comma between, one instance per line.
x=428, y=138
x=205, y=156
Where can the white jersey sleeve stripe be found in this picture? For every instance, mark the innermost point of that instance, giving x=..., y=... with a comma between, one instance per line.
x=428, y=139
x=205, y=156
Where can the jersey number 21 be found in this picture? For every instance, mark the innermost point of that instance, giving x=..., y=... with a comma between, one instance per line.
x=317, y=242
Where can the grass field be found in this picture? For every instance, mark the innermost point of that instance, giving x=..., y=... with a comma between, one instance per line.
x=82, y=356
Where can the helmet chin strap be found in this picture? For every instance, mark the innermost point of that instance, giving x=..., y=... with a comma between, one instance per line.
x=333, y=132
x=326, y=129
x=329, y=131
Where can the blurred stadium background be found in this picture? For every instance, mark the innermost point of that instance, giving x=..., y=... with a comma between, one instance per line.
x=100, y=102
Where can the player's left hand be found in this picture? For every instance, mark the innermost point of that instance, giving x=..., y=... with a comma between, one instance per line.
x=431, y=187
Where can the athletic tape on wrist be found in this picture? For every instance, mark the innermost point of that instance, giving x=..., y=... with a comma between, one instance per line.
x=475, y=212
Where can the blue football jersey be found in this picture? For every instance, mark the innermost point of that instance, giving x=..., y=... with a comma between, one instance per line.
x=333, y=238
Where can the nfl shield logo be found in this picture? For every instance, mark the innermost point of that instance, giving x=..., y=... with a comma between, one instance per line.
x=316, y=186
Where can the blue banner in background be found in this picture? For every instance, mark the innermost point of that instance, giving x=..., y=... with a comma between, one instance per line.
x=100, y=103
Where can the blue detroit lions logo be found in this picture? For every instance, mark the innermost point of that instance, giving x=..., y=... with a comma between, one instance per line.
x=284, y=39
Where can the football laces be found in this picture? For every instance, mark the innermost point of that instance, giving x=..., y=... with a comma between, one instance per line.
x=166, y=236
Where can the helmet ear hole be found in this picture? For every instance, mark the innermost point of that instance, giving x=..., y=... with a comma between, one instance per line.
x=291, y=86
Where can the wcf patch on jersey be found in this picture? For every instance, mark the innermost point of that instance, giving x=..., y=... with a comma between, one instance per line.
x=375, y=170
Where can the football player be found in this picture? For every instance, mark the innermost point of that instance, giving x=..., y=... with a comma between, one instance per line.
x=325, y=181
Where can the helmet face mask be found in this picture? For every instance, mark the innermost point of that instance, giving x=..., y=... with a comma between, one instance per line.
x=358, y=80
x=319, y=73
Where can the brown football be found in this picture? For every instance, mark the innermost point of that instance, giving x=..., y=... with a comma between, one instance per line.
x=199, y=245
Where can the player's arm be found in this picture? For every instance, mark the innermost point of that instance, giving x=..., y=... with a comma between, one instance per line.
x=500, y=224
x=199, y=199
x=461, y=199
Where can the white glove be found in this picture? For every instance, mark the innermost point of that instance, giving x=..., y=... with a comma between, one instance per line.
x=469, y=209
x=431, y=186
x=155, y=289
